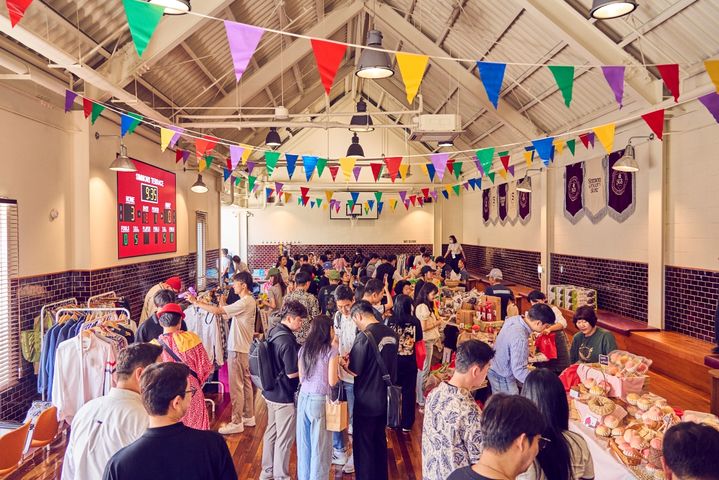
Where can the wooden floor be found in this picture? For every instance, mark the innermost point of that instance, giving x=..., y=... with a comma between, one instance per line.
x=405, y=450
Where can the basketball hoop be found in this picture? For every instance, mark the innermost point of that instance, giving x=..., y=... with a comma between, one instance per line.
x=353, y=219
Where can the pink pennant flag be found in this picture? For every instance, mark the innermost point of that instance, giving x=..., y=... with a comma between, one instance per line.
x=243, y=40
x=439, y=161
x=236, y=152
x=433, y=193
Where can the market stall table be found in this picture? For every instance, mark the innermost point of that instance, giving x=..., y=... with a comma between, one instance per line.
x=606, y=465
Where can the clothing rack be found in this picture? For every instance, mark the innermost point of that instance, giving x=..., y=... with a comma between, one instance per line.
x=90, y=311
x=59, y=303
x=106, y=296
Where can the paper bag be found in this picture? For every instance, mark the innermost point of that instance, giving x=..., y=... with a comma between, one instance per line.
x=337, y=415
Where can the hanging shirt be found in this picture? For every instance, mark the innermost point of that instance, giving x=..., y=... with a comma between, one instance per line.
x=101, y=428
x=206, y=325
x=83, y=371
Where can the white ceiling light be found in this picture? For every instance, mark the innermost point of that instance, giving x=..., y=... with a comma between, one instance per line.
x=608, y=9
x=199, y=186
x=525, y=185
x=628, y=162
x=122, y=162
x=373, y=63
x=445, y=143
x=173, y=7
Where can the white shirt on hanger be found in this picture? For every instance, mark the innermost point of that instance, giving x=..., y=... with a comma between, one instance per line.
x=101, y=428
x=206, y=326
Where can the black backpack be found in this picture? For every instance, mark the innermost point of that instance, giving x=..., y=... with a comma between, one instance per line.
x=264, y=370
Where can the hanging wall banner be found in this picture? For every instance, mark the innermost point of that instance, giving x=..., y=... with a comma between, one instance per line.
x=621, y=194
x=525, y=207
x=573, y=200
x=512, y=203
x=485, y=206
x=595, y=192
x=493, y=205
x=502, y=203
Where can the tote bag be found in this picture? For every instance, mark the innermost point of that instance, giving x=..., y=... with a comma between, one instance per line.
x=336, y=413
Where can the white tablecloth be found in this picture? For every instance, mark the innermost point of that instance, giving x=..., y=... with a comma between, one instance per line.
x=606, y=465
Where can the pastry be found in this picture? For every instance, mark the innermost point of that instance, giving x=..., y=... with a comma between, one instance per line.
x=644, y=403
x=589, y=382
x=596, y=390
x=656, y=443
x=638, y=443
x=601, y=405
x=617, y=432
x=602, y=431
x=628, y=435
x=633, y=411
x=632, y=398
x=611, y=421
x=631, y=453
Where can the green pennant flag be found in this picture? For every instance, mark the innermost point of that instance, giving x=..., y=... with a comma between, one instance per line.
x=271, y=158
x=136, y=119
x=378, y=196
x=456, y=189
x=457, y=168
x=321, y=164
x=143, y=18
x=564, y=76
x=208, y=161
x=251, y=183
x=238, y=180
x=491, y=176
x=571, y=145
x=485, y=158
x=97, y=109
x=351, y=204
x=319, y=202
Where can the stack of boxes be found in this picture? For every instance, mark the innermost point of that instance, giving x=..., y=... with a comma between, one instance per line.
x=571, y=297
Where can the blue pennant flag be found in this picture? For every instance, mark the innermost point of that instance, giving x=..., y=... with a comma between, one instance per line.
x=380, y=206
x=431, y=171
x=309, y=164
x=544, y=148
x=268, y=192
x=492, y=75
x=445, y=193
x=472, y=183
x=478, y=183
x=226, y=173
x=355, y=197
x=291, y=164
x=370, y=204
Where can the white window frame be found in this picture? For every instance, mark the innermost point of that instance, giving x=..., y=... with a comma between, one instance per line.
x=201, y=236
x=10, y=365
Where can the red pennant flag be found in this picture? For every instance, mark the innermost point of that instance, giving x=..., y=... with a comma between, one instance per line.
x=178, y=155
x=333, y=171
x=450, y=165
x=655, y=120
x=670, y=75
x=86, y=107
x=376, y=170
x=586, y=139
x=304, y=191
x=16, y=10
x=393, y=166
x=421, y=201
x=505, y=161
x=413, y=199
x=305, y=200
x=328, y=56
x=204, y=145
x=425, y=192
x=229, y=164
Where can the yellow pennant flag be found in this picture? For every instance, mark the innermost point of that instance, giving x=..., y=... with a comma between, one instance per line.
x=165, y=136
x=403, y=169
x=424, y=168
x=393, y=203
x=502, y=173
x=288, y=197
x=329, y=195
x=412, y=68
x=246, y=153
x=325, y=206
x=528, y=158
x=605, y=134
x=712, y=67
x=446, y=189
x=347, y=164
x=558, y=147
x=201, y=165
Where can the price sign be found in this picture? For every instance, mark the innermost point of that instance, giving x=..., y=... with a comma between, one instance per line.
x=146, y=220
x=603, y=359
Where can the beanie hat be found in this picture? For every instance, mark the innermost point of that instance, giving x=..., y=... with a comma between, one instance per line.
x=174, y=283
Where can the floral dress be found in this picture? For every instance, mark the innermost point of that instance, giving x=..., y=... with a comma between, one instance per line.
x=188, y=346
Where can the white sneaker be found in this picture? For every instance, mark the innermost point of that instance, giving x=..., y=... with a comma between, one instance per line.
x=231, y=428
x=339, y=457
x=350, y=465
x=349, y=429
x=249, y=422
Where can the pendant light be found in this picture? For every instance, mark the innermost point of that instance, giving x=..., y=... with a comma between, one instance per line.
x=355, y=150
x=373, y=63
x=445, y=143
x=525, y=185
x=122, y=162
x=628, y=162
x=273, y=138
x=173, y=7
x=609, y=9
x=199, y=186
x=361, y=123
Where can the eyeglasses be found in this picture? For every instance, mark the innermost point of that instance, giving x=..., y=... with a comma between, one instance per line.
x=192, y=391
x=543, y=443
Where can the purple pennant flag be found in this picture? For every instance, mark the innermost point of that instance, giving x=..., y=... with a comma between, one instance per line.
x=278, y=188
x=356, y=172
x=403, y=195
x=433, y=193
x=243, y=40
x=439, y=161
x=236, y=152
x=185, y=156
x=711, y=102
x=250, y=167
x=466, y=185
x=485, y=206
x=479, y=167
x=70, y=97
x=511, y=170
x=614, y=74
x=176, y=137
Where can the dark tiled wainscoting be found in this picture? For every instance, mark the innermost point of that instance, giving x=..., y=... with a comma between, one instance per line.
x=519, y=266
x=265, y=255
x=690, y=301
x=132, y=281
x=621, y=286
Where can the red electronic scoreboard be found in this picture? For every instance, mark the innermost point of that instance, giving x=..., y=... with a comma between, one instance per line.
x=146, y=211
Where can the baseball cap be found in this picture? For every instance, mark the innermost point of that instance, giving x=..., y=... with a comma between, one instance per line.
x=171, y=308
x=332, y=274
x=175, y=283
x=495, y=273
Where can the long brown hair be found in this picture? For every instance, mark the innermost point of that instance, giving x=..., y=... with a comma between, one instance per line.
x=277, y=280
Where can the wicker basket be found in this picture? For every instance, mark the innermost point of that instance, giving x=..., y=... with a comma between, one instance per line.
x=631, y=462
x=451, y=283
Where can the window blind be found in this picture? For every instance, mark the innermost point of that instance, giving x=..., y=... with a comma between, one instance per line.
x=9, y=315
x=201, y=222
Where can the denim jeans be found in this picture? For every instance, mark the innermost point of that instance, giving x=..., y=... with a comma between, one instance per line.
x=339, y=441
x=423, y=374
x=502, y=384
x=314, y=453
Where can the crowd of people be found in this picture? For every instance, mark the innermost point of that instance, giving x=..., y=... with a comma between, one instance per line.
x=345, y=328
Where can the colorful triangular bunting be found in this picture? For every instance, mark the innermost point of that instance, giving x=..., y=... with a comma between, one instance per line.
x=412, y=68
x=143, y=18
x=328, y=56
x=605, y=134
x=670, y=76
x=243, y=40
x=614, y=75
x=655, y=120
x=492, y=75
x=564, y=76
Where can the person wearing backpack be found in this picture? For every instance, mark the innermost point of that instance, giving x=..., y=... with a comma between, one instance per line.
x=280, y=394
x=326, y=298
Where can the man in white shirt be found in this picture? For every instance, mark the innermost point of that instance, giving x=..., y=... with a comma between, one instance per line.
x=106, y=424
x=242, y=331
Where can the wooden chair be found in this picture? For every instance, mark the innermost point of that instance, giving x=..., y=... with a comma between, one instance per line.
x=46, y=428
x=12, y=446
